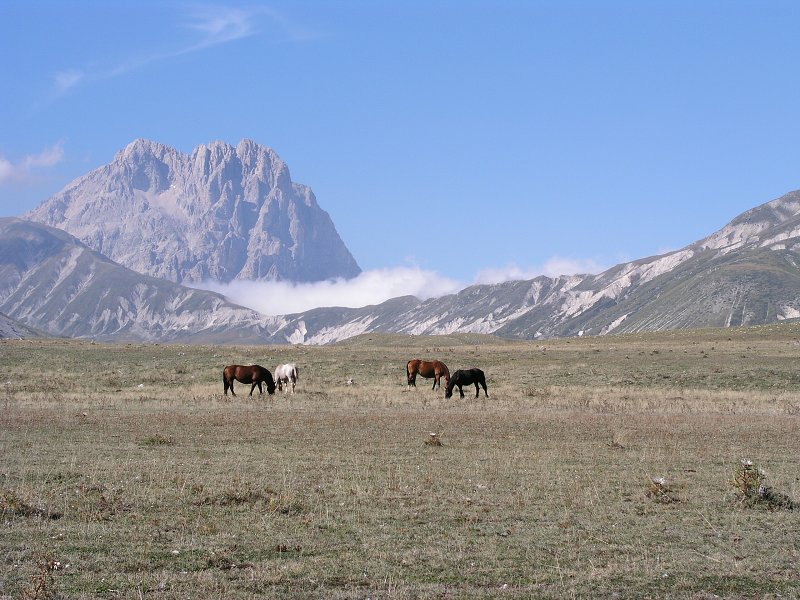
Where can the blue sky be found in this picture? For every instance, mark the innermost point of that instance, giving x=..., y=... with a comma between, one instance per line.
x=468, y=139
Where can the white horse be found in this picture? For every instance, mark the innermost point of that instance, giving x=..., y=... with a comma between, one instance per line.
x=284, y=374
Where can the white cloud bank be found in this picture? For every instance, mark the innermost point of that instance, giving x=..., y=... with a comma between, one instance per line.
x=370, y=287
x=15, y=171
x=376, y=286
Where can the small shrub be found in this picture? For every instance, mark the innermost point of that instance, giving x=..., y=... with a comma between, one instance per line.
x=43, y=585
x=659, y=491
x=434, y=439
x=750, y=487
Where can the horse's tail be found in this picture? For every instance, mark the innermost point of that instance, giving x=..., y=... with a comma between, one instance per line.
x=296, y=373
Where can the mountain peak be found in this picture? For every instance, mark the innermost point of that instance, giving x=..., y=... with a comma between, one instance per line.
x=140, y=147
x=219, y=213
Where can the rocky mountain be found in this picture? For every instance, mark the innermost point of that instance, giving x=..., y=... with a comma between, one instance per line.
x=747, y=273
x=220, y=213
x=51, y=281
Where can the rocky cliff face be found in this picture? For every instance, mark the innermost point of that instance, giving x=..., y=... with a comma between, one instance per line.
x=220, y=213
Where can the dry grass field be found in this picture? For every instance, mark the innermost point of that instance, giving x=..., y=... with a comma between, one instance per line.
x=598, y=467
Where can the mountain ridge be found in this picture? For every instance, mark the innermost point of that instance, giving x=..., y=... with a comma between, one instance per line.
x=745, y=273
x=52, y=282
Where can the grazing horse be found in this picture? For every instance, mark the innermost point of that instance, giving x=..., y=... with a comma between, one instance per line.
x=253, y=374
x=466, y=377
x=287, y=373
x=427, y=369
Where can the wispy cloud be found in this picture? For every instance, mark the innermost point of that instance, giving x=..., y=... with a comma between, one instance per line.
x=221, y=24
x=370, y=287
x=20, y=170
x=64, y=80
x=552, y=267
x=211, y=25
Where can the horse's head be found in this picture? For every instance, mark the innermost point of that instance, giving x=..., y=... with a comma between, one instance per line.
x=448, y=389
x=270, y=387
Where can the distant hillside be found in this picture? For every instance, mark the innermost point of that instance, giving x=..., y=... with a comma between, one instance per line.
x=220, y=213
x=53, y=282
x=14, y=330
x=745, y=274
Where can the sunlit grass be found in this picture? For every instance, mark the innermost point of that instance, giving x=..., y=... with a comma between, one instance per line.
x=128, y=467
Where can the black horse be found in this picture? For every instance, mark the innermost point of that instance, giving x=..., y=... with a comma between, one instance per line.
x=466, y=377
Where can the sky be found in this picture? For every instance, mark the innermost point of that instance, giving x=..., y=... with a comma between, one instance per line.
x=451, y=142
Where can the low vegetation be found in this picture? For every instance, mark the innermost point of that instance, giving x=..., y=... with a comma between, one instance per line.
x=620, y=467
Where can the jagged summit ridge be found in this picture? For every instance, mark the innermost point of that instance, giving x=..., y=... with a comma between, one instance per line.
x=219, y=213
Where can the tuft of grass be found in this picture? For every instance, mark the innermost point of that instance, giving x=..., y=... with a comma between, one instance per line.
x=96, y=502
x=235, y=498
x=285, y=503
x=156, y=440
x=12, y=505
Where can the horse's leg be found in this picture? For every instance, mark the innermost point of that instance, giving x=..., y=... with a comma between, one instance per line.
x=435, y=381
x=260, y=389
x=477, y=389
x=460, y=391
x=225, y=385
x=485, y=391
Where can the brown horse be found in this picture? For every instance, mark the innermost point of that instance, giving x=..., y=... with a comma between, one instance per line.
x=253, y=374
x=427, y=369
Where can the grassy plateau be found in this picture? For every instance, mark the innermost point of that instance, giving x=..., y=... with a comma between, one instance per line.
x=641, y=466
